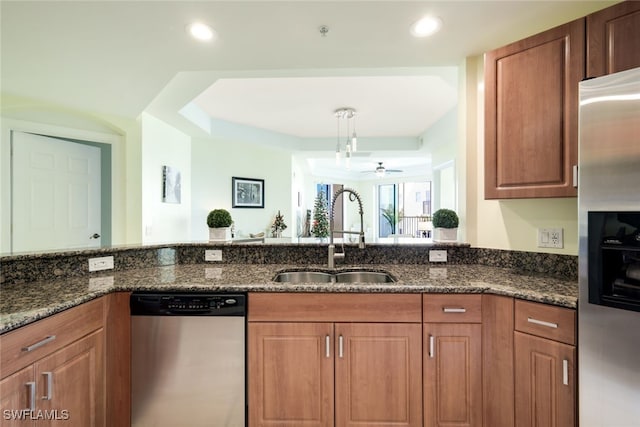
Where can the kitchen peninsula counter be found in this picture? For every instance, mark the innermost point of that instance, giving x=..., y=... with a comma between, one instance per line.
x=23, y=303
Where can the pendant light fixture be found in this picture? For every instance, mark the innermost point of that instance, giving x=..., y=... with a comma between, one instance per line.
x=346, y=115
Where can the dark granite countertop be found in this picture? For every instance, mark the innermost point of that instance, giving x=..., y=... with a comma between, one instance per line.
x=24, y=303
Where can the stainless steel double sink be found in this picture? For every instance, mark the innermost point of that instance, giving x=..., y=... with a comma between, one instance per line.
x=339, y=277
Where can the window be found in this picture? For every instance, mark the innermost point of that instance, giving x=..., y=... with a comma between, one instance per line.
x=401, y=206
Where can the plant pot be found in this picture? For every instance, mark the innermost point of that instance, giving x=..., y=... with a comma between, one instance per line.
x=221, y=234
x=445, y=234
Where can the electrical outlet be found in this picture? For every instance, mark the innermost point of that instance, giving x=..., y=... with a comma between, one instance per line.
x=213, y=255
x=550, y=238
x=437, y=256
x=102, y=263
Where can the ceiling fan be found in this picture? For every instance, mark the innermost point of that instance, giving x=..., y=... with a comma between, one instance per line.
x=380, y=170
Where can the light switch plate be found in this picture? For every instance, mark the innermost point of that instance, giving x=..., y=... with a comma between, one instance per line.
x=437, y=256
x=101, y=263
x=213, y=255
x=550, y=238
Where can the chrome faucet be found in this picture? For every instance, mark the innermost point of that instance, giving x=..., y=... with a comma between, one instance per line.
x=353, y=195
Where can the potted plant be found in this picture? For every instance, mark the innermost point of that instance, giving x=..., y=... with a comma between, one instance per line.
x=219, y=222
x=445, y=224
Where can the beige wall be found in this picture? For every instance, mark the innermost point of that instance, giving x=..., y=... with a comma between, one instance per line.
x=506, y=224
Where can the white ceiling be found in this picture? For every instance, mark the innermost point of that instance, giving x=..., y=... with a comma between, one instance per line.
x=269, y=66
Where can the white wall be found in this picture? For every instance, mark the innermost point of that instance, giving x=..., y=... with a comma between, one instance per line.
x=163, y=145
x=215, y=162
x=507, y=224
x=48, y=119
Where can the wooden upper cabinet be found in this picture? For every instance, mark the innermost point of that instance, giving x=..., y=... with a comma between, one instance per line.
x=531, y=114
x=613, y=39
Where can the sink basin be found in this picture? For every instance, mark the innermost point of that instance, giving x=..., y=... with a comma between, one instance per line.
x=363, y=277
x=342, y=277
x=303, y=276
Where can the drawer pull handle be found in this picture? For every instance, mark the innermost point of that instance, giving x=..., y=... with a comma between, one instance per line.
x=542, y=323
x=340, y=346
x=327, y=346
x=48, y=377
x=565, y=372
x=432, y=347
x=39, y=344
x=454, y=310
x=32, y=395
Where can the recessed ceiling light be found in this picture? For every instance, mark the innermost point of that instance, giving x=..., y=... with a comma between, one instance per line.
x=200, y=31
x=426, y=26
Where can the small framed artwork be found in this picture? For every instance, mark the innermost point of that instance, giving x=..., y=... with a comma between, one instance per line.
x=247, y=192
x=171, y=185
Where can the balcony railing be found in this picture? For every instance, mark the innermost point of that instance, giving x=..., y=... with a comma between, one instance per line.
x=409, y=225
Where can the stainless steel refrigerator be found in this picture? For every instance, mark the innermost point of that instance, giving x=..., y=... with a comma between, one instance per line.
x=609, y=251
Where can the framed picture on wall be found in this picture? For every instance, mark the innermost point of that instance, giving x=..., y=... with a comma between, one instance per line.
x=171, y=185
x=247, y=192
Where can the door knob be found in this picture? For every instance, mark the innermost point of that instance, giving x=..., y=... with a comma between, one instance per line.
x=94, y=236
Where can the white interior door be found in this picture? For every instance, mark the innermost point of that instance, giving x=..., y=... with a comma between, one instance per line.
x=55, y=186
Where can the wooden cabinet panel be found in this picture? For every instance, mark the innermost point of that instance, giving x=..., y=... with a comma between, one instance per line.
x=531, y=114
x=453, y=375
x=613, y=39
x=497, y=361
x=290, y=371
x=377, y=375
x=326, y=307
x=547, y=321
x=15, y=393
x=58, y=330
x=452, y=308
x=544, y=382
x=118, y=359
x=72, y=380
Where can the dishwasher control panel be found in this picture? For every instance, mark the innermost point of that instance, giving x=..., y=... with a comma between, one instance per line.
x=197, y=304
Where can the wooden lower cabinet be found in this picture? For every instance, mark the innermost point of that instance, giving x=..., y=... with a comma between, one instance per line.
x=72, y=383
x=291, y=374
x=15, y=392
x=452, y=374
x=378, y=375
x=53, y=370
x=545, y=382
x=334, y=374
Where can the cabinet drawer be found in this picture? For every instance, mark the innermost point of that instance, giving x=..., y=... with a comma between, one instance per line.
x=546, y=321
x=29, y=343
x=452, y=308
x=319, y=307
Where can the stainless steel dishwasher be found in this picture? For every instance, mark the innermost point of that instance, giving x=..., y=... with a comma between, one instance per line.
x=188, y=360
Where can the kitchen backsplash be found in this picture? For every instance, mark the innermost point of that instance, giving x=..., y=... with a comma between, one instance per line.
x=36, y=267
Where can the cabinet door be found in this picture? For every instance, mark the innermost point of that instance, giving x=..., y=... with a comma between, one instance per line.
x=378, y=381
x=613, y=39
x=70, y=382
x=452, y=375
x=290, y=374
x=15, y=398
x=544, y=382
x=531, y=114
